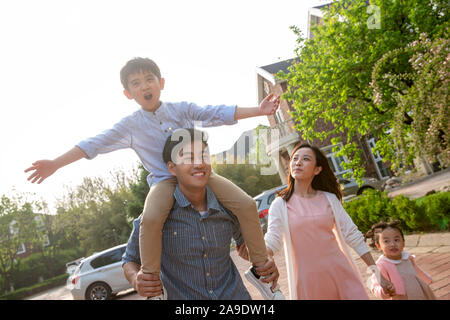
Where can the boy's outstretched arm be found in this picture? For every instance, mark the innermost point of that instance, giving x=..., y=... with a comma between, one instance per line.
x=45, y=168
x=267, y=107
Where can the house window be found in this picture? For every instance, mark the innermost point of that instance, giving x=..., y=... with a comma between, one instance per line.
x=381, y=169
x=279, y=118
x=22, y=249
x=335, y=162
x=266, y=88
x=14, y=228
x=46, y=241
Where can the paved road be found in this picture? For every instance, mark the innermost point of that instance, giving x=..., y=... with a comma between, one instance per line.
x=420, y=187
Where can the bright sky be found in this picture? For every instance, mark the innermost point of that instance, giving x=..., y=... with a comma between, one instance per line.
x=60, y=63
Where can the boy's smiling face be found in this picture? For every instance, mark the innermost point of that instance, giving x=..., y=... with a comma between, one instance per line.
x=145, y=88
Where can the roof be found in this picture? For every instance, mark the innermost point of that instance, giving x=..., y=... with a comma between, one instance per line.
x=269, y=71
x=323, y=5
x=345, y=5
x=279, y=66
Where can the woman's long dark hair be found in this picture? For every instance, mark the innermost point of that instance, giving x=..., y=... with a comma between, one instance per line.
x=324, y=181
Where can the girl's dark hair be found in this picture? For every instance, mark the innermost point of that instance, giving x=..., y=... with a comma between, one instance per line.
x=137, y=65
x=324, y=181
x=377, y=228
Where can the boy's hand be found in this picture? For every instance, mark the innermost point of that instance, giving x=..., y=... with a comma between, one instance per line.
x=42, y=170
x=269, y=106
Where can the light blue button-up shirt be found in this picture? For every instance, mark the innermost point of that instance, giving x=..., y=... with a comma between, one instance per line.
x=196, y=262
x=146, y=132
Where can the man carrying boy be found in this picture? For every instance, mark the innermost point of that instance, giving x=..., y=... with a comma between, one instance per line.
x=145, y=131
x=196, y=262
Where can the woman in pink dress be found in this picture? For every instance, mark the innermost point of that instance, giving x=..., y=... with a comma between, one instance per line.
x=308, y=220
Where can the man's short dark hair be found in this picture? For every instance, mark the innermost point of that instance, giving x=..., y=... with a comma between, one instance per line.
x=138, y=65
x=179, y=138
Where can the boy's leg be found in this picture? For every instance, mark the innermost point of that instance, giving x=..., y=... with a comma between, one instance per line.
x=244, y=208
x=157, y=207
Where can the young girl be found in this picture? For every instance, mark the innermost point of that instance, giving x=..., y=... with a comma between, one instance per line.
x=308, y=220
x=409, y=281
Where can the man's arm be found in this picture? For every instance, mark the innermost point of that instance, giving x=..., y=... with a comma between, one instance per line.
x=45, y=168
x=266, y=108
x=147, y=285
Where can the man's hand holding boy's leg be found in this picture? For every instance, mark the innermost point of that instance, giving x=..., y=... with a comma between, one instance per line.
x=147, y=284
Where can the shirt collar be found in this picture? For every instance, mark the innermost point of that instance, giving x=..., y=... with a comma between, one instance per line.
x=405, y=256
x=152, y=113
x=211, y=201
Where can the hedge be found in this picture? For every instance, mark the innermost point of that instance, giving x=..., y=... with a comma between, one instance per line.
x=29, y=291
x=428, y=213
x=30, y=269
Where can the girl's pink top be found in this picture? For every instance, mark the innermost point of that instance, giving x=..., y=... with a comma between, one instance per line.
x=322, y=271
x=409, y=280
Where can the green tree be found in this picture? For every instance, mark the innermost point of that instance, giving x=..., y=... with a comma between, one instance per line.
x=95, y=212
x=248, y=177
x=139, y=190
x=331, y=81
x=425, y=102
x=17, y=227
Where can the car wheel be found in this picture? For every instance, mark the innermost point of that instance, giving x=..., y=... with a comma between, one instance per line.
x=360, y=191
x=98, y=291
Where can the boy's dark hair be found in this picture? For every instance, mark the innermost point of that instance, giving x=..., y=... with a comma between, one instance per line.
x=179, y=138
x=137, y=65
x=377, y=228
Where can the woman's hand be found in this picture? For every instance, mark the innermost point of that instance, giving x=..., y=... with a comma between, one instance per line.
x=387, y=286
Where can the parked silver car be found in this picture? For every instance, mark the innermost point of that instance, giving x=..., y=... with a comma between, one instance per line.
x=99, y=276
x=263, y=202
x=351, y=187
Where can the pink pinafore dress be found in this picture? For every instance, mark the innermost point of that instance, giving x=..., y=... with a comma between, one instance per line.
x=322, y=270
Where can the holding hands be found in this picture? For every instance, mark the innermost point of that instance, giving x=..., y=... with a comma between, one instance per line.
x=387, y=286
x=268, y=272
